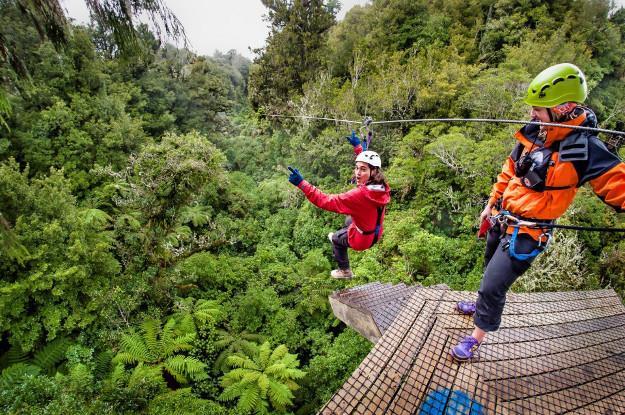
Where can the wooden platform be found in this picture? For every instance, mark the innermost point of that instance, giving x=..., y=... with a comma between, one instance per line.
x=555, y=353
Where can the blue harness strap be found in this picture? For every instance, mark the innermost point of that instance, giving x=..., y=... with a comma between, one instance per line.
x=512, y=244
x=521, y=257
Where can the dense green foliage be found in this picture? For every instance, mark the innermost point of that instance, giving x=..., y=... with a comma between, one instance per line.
x=155, y=259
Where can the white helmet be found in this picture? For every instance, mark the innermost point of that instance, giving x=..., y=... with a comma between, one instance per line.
x=370, y=157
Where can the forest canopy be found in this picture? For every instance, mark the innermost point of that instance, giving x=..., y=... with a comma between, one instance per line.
x=156, y=259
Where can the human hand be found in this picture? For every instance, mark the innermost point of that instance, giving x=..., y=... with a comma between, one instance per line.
x=486, y=213
x=295, y=177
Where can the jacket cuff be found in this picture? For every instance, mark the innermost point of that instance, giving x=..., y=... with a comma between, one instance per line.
x=492, y=201
x=303, y=184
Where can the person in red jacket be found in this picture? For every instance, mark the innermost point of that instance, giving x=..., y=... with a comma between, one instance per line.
x=364, y=205
x=537, y=184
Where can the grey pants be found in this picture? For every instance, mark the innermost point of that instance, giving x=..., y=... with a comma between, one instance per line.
x=340, y=245
x=500, y=273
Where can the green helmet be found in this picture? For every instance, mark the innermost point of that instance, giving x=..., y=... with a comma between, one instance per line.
x=556, y=85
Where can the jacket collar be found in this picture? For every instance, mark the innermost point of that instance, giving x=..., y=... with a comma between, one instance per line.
x=529, y=134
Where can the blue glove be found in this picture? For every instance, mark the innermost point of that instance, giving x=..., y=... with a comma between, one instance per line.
x=296, y=177
x=353, y=139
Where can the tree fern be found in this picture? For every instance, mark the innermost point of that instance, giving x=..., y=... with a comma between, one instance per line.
x=197, y=215
x=243, y=343
x=156, y=348
x=263, y=378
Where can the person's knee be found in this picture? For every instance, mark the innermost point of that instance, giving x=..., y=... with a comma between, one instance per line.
x=492, y=294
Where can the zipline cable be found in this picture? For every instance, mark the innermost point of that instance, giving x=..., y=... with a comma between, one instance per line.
x=368, y=122
x=478, y=120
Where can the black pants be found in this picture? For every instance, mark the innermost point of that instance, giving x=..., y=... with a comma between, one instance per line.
x=500, y=273
x=340, y=245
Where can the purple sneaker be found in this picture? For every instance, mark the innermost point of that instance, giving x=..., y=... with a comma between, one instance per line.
x=465, y=350
x=466, y=307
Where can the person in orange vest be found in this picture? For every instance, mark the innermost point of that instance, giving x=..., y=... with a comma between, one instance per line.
x=364, y=206
x=538, y=182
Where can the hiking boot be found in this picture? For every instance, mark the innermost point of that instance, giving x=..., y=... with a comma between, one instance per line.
x=342, y=274
x=466, y=307
x=330, y=236
x=465, y=350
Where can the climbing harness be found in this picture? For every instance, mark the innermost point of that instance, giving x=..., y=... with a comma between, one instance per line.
x=506, y=218
x=376, y=231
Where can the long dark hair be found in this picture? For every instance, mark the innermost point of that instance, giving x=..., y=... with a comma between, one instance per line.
x=376, y=176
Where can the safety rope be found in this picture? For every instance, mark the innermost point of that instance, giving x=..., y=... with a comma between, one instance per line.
x=478, y=120
x=517, y=223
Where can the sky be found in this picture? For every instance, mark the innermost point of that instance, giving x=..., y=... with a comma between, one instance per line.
x=214, y=24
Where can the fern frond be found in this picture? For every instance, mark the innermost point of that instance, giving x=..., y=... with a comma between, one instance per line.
x=290, y=360
x=103, y=365
x=249, y=400
x=168, y=337
x=251, y=337
x=13, y=356
x=151, y=329
x=194, y=368
x=279, y=395
x=263, y=384
x=291, y=384
x=175, y=366
x=241, y=361
x=279, y=352
x=14, y=374
x=277, y=370
x=51, y=355
x=124, y=358
x=206, y=310
x=183, y=368
x=232, y=392
x=185, y=324
x=220, y=361
x=293, y=373
x=264, y=351
x=118, y=374
x=134, y=349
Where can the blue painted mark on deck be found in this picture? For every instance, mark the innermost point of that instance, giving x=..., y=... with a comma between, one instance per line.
x=448, y=402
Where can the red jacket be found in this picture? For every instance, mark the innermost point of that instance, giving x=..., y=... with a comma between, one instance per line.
x=361, y=204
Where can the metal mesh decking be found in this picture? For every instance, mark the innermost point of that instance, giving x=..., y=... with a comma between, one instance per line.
x=554, y=353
